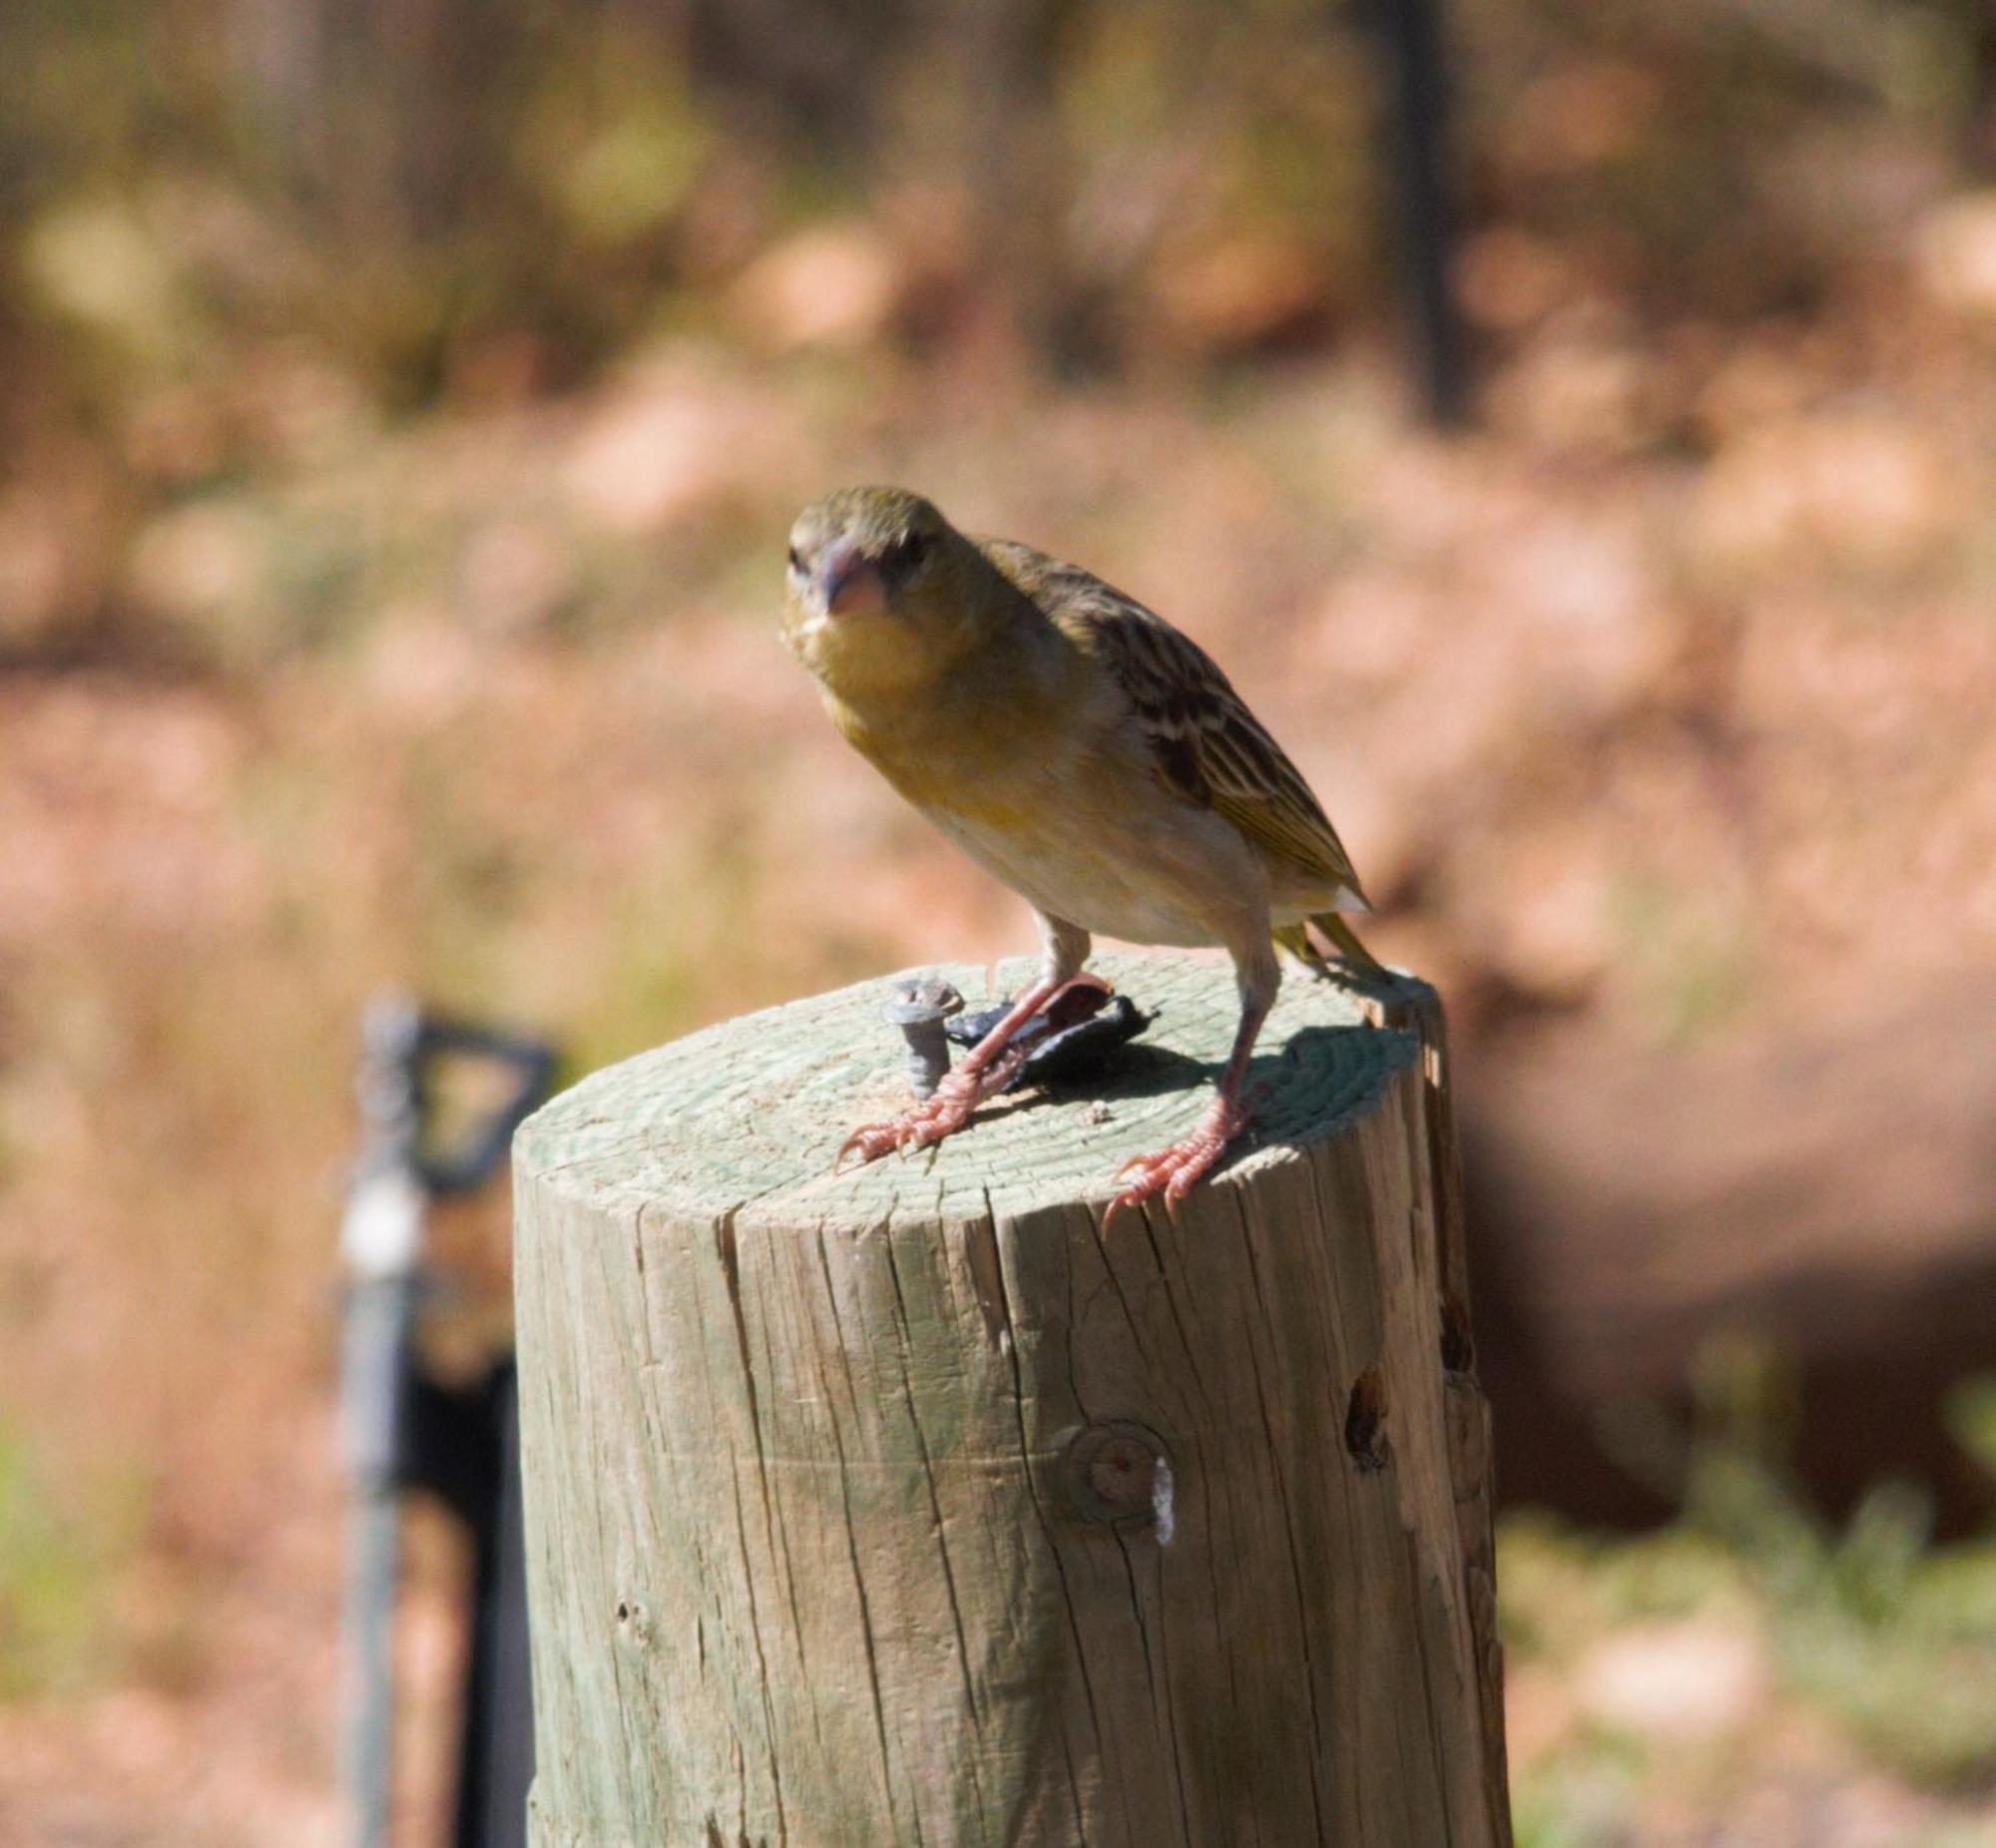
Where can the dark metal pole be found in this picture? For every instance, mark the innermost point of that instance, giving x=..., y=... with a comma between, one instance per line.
x=404, y=1430
x=1412, y=39
x=496, y=1753
x=381, y=1239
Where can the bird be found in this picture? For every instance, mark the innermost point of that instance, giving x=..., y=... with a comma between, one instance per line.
x=1088, y=755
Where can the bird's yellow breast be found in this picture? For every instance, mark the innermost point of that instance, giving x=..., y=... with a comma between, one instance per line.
x=989, y=766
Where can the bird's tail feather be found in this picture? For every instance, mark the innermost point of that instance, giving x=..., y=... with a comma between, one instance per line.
x=1338, y=935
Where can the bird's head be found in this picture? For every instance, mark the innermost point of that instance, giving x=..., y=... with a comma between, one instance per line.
x=882, y=589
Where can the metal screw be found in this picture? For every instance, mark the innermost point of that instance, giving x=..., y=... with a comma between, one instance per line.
x=920, y=1006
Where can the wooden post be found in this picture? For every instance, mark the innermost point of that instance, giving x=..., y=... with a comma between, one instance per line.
x=908, y=1507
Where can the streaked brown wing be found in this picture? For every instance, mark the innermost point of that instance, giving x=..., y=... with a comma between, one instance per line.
x=1209, y=748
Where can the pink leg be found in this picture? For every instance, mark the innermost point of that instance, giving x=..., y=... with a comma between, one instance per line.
x=1175, y=1170
x=986, y=1069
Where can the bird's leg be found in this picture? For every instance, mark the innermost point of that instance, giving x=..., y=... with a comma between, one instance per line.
x=1175, y=1170
x=985, y=1070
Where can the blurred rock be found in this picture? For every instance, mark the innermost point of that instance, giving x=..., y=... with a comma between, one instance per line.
x=1390, y=842
x=1674, y=1684
x=1374, y=627
x=1510, y=279
x=101, y=262
x=1549, y=933
x=177, y=434
x=119, y=812
x=1753, y=383
x=497, y=370
x=421, y=670
x=1243, y=294
x=303, y=410
x=1538, y=1711
x=1584, y=591
x=516, y=574
x=198, y=562
x=1828, y=1186
x=1581, y=112
x=1582, y=387
x=1954, y=253
x=673, y=441
x=1867, y=492
x=835, y=285
x=34, y=571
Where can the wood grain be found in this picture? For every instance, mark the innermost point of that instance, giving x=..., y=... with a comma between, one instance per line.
x=906, y=1506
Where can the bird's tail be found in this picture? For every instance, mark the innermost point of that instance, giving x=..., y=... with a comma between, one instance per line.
x=1338, y=935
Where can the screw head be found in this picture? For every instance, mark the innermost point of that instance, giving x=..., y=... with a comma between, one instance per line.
x=917, y=1000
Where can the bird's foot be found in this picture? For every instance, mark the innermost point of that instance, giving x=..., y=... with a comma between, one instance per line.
x=941, y=1115
x=1175, y=1170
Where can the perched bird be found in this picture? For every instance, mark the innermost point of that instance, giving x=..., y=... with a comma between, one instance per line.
x=1084, y=752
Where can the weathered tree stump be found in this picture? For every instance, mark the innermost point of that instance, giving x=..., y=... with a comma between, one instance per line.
x=906, y=1506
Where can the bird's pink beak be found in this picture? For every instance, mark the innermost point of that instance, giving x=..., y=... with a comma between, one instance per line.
x=848, y=581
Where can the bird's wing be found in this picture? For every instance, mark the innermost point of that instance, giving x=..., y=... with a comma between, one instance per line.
x=1209, y=749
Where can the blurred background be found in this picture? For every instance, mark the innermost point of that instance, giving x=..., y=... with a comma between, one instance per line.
x=402, y=404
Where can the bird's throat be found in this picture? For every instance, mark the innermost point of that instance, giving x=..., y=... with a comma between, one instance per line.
x=938, y=751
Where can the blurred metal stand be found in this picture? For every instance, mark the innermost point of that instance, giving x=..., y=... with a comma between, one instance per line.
x=402, y=1430
x=1413, y=44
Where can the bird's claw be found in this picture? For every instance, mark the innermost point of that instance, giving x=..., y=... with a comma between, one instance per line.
x=943, y=1113
x=914, y=1129
x=871, y=1140
x=1174, y=1171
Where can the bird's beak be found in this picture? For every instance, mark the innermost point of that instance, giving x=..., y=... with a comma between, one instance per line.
x=848, y=581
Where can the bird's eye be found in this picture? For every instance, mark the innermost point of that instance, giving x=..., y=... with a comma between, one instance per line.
x=796, y=561
x=906, y=554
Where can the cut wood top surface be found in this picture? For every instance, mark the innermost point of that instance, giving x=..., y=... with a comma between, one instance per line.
x=748, y=1115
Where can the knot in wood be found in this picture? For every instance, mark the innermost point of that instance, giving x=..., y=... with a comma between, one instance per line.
x=1110, y=1471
